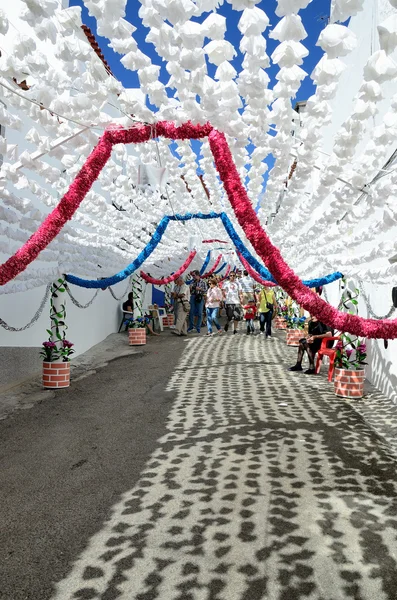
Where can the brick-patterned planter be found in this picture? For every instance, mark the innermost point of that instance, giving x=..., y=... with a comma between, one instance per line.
x=349, y=383
x=168, y=321
x=137, y=336
x=280, y=323
x=56, y=375
x=293, y=336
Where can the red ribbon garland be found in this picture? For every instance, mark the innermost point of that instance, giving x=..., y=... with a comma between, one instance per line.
x=172, y=277
x=211, y=271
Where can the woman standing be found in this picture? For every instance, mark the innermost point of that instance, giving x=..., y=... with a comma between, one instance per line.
x=232, y=297
x=267, y=308
x=213, y=299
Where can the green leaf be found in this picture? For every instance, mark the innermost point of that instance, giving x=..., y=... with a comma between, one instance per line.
x=60, y=280
x=59, y=336
x=55, y=321
x=354, y=302
x=61, y=289
x=49, y=331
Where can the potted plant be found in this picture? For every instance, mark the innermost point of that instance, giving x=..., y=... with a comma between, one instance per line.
x=280, y=321
x=136, y=331
x=56, y=363
x=349, y=367
x=295, y=330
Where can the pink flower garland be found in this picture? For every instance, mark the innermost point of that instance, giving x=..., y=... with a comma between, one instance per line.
x=253, y=273
x=228, y=269
x=172, y=277
x=89, y=172
x=211, y=271
x=284, y=275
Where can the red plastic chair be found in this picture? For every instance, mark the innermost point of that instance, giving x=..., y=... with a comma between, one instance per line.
x=326, y=351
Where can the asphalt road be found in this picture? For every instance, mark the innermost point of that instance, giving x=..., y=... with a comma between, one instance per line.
x=65, y=462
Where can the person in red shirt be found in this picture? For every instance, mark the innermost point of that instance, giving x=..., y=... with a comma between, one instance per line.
x=250, y=314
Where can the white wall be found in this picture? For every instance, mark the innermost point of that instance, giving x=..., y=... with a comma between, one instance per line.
x=87, y=327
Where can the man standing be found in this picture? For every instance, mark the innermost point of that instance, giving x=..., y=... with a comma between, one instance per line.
x=247, y=287
x=198, y=290
x=182, y=296
x=174, y=296
x=232, y=295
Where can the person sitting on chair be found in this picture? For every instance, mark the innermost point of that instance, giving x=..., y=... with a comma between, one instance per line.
x=128, y=306
x=311, y=345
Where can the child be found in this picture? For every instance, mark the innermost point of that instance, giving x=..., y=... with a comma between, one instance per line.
x=250, y=314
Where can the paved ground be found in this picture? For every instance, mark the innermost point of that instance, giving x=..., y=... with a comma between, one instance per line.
x=200, y=470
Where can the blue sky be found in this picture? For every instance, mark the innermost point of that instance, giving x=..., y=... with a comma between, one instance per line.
x=314, y=18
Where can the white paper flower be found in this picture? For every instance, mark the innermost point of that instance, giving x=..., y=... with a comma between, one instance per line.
x=288, y=54
x=3, y=22
x=214, y=27
x=225, y=72
x=388, y=34
x=371, y=90
x=175, y=11
x=380, y=67
x=288, y=7
x=192, y=59
x=341, y=10
x=219, y=50
x=253, y=21
x=289, y=28
x=327, y=71
x=192, y=35
x=337, y=40
x=254, y=45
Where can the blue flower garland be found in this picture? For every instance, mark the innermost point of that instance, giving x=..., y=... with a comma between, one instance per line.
x=156, y=238
x=220, y=269
x=205, y=263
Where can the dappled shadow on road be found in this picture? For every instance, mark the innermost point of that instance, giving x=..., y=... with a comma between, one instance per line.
x=265, y=487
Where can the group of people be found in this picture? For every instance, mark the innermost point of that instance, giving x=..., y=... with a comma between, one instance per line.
x=242, y=300
x=241, y=297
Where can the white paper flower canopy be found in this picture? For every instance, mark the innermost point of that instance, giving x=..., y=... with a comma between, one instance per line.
x=70, y=97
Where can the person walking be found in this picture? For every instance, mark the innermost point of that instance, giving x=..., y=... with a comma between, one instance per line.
x=250, y=314
x=267, y=309
x=198, y=291
x=213, y=300
x=182, y=300
x=232, y=296
x=247, y=287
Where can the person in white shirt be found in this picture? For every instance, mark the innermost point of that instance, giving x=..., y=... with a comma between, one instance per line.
x=247, y=287
x=232, y=295
x=182, y=298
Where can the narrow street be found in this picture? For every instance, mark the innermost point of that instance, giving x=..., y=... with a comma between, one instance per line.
x=200, y=470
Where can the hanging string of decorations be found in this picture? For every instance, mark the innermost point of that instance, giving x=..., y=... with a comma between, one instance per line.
x=206, y=262
x=83, y=182
x=36, y=316
x=213, y=268
x=172, y=277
